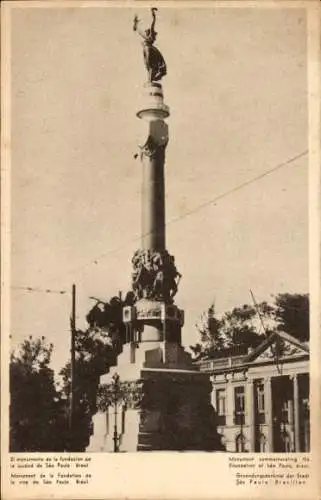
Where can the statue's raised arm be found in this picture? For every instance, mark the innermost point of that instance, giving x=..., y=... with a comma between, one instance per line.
x=152, y=26
x=154, y=61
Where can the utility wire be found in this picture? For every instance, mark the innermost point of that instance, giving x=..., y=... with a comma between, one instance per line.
x=197, y=208
x=17, y=333
x=61, y=292
x=239, y=187
x=38, y=290
x=258, y=312
x=275, y=351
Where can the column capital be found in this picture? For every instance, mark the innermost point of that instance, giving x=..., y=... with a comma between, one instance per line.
x=153, y=106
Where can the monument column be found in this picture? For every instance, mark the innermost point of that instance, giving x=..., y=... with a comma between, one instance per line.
x=155, y=277
x=153, y=159
x=166, y=399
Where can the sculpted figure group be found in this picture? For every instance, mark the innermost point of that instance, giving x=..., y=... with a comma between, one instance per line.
x=155, y=276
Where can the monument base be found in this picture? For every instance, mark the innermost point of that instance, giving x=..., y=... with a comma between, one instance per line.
x=174, y=410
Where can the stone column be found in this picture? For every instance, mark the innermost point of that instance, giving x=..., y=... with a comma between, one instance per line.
x=213, y=392
x=155, y=276
x=269, y=412
x=153, y=113
x=230, y=403
x=250, y=413
x=296, y=413
x=153, y=192
x=229, y=436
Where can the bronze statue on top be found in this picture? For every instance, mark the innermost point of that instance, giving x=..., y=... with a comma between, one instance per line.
x=154, y=61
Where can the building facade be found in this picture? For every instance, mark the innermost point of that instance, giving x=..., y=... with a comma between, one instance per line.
x=261, y=398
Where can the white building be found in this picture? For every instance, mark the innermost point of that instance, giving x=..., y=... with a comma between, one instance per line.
x=261, y=397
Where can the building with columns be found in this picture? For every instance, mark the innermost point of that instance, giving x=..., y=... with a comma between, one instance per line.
x=261, y=397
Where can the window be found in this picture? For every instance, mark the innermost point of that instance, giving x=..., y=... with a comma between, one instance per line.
x=240, y=443
x=306, y=408
x=220, y=402
x=260, y=402
x=305, y=429
x=239, y=405
x=221, y=406
x=260, y=398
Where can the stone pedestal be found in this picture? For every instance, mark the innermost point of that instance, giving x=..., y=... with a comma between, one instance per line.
x=174, y=411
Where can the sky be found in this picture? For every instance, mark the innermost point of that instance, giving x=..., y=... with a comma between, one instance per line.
x=237, y=91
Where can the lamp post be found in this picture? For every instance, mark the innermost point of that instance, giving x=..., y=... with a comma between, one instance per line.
x=120, y=396
x=115, y=399
x=72, y=399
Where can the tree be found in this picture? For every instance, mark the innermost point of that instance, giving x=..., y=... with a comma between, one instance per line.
x=246, y=326
x=36, y=413
x=236, y=330
x=39, y=412
x=292, y=314
x=97, y=349
x=211, y=337
x=93, y=350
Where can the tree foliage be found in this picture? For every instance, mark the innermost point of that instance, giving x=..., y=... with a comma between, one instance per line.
x=245, y=327
x=37, y=419
x=92, y=353
x=39, y=412
x=292, y=314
